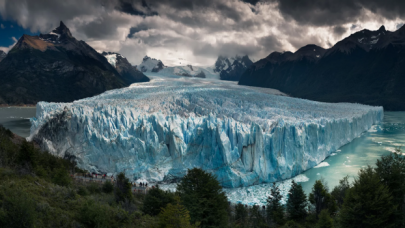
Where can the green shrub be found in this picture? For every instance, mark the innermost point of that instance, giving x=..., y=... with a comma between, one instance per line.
x=108, y=187
x=17, y=209
x=94, y=214
x=292, y=224
x=41, y=172
x=61, y=177
x=93, y=188
x=325, y=221
x=82, y=191
x=27, y=154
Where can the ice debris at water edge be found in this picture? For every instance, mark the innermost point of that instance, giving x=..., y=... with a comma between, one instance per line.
x=253, y=195
x=159, y=129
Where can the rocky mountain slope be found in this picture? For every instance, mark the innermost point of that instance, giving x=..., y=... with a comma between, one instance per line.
x=56, y=67
x=124, y=68
x=2, y=55
x=232, y=68
x=224, y=69
x=366, y=67
x=150, y=65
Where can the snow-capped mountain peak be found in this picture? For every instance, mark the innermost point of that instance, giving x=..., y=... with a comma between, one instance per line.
x=150, y=65
x=233, y=67
x=60, y=33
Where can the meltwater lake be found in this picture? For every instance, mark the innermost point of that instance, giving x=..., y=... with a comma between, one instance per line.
x=380, y=140
x=17, y=119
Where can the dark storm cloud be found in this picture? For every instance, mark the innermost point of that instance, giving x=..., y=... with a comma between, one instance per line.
x=203, y=29
x=43, y=15
x=252, y=2
x=200, y=6
x=339, y=30
x=265, y=45
x=270, y=43
x=140, y=8
x=332, y=12
x=140, y=27
x=103, y=28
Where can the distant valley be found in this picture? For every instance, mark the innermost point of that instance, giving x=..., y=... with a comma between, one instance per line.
x=225, y=68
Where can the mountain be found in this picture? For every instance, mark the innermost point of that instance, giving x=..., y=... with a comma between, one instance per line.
x=232, y=68
x=124, y=68
x=224, y=69
x=150, y=65
x=2, y=55
x=56, y=67
x=367, y=67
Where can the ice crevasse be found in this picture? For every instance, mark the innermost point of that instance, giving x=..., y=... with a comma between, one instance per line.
x=159, y=129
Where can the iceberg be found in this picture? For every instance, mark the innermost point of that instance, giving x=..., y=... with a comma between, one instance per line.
x=157, y=130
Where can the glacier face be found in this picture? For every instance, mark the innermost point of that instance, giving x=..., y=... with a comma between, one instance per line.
x=157, y=130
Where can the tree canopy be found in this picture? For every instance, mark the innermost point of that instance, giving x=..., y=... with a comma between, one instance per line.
x=202, y=195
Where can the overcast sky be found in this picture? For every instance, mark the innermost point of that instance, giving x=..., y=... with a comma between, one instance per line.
x=197, y=31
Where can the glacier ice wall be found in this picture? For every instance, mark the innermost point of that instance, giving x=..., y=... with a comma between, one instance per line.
x=157, y=130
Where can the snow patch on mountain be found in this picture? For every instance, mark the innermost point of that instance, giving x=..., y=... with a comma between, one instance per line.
x=111, y=58
x=150, y=65
x=224, y=68
x=232, y=68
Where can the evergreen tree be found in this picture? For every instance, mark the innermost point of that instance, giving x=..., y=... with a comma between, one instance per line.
x=202, y=195
x=241, y=215
x=325, y=221
x=321, y=199
x=275, y=210
x=175, y=216
x=108, y=187
x=155, y=200
x=339, y=192
x=122, y=190
x=256, y=218
x=368, y=203
x=296, y=203
x=27, y=154
x=292, y=224
x=391, y=170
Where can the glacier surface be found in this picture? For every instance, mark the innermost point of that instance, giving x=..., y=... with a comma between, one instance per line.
x=159, y=129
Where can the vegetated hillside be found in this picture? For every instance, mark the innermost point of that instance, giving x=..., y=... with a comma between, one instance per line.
x=56, y=67
x=367, y=67
x=37, y=190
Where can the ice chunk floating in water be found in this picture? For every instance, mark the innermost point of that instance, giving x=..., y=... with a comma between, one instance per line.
x=323, y=164
x=157, y=130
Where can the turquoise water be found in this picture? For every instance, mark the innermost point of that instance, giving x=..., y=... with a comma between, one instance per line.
x=17, y=119
x=380, y=140
x=348, y=160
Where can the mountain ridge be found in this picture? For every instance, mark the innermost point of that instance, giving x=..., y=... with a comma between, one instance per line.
x=55, y=67
x=365, y=67
x=225, y=68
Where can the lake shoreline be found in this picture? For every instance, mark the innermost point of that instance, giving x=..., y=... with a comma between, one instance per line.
x=18, y=106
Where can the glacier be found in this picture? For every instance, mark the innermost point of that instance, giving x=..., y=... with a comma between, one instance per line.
x=157, y=130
